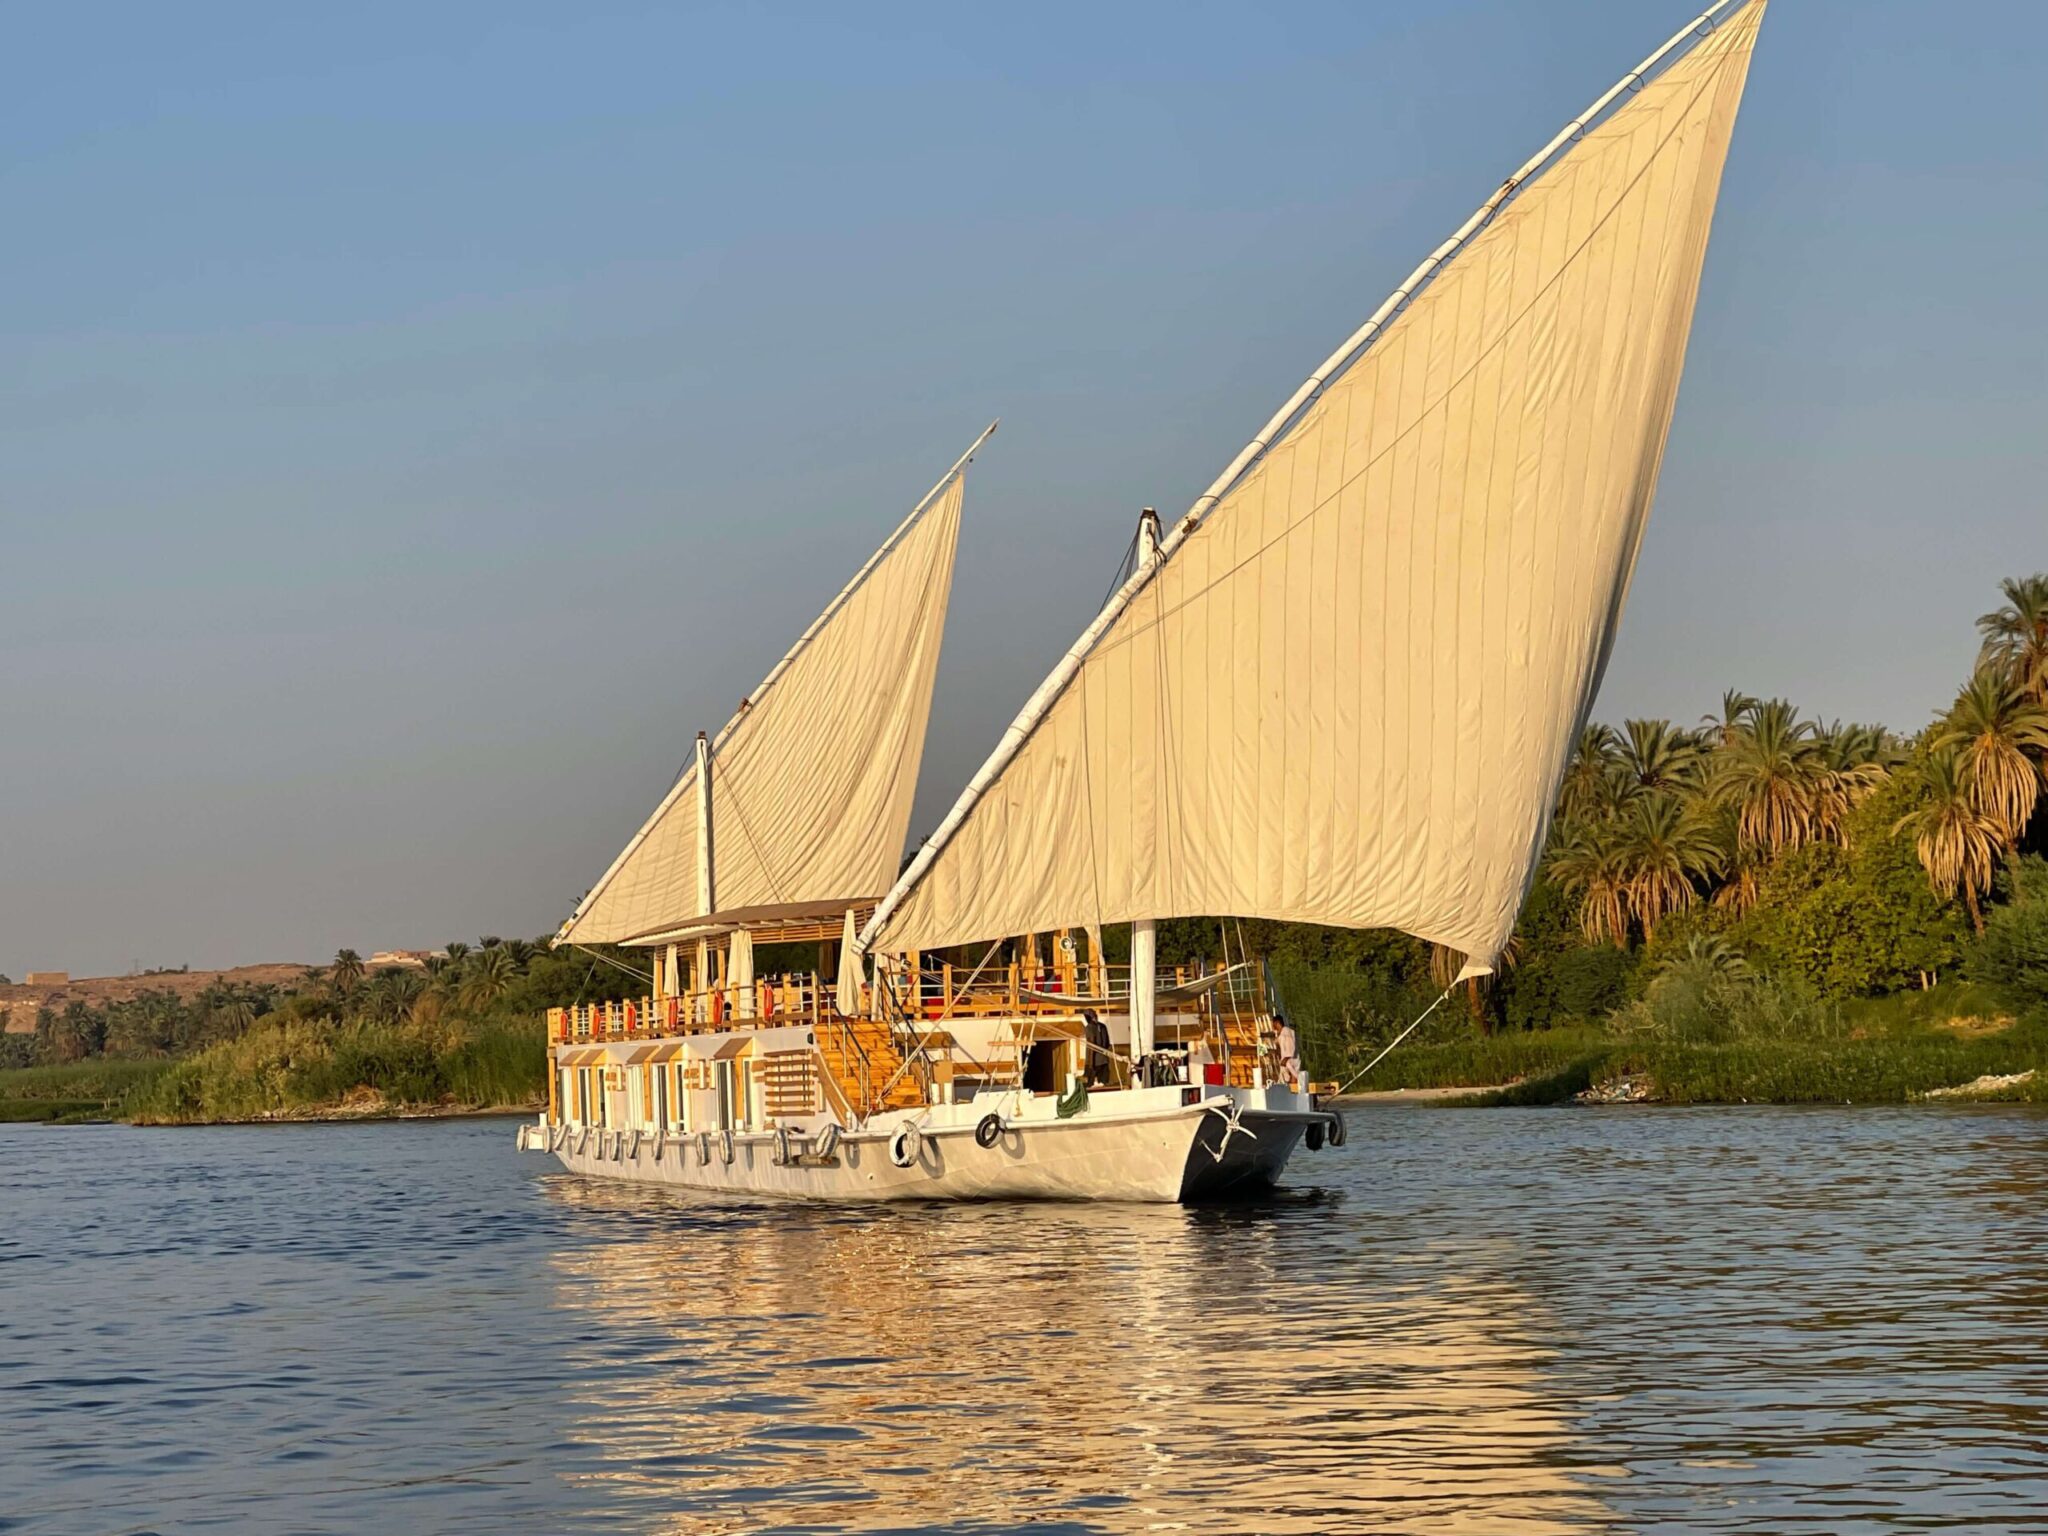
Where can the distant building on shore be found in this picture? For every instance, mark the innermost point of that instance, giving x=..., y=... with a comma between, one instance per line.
x=46, y=979
x=414, y=959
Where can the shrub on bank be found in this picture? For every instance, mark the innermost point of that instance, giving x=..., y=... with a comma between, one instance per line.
x=2013, y=954
x=301, y=1067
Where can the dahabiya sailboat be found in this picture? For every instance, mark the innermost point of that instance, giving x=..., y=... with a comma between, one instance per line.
x=1341, y=689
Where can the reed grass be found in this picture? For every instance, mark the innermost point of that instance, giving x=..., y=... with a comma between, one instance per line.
x=84, y=1090
x=309, y=1070
x=1469, y=1060
x=1883, y=1050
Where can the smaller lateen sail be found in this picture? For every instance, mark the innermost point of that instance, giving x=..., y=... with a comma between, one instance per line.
x=803, y=799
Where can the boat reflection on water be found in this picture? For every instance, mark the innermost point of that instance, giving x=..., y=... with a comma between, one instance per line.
x=1110, y=1367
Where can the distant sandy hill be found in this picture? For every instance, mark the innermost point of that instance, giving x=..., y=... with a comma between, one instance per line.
x=19, y=1004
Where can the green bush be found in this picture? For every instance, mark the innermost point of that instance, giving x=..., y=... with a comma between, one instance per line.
x=1859, y=920
x=1575, y=985
x=285, y=1068
x=2013, y=953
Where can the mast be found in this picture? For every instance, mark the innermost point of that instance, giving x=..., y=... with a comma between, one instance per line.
x=1145, y=930
x=706, y=888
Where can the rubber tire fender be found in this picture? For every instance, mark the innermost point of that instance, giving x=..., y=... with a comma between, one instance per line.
x=1336, y=1132
x=726, y=1150
x=703, y=1149
x=905, y=1145
x=989, y=1131
x=827, y=1142
x=782, y=1154
x=1313, y=1137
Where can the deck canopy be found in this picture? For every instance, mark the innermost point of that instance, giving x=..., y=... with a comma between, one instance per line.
x=1346, y=686
x=789, y=922
x=803, y=799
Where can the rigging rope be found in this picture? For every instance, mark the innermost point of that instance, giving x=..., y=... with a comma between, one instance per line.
x=616, y=965
x=1382, y=1056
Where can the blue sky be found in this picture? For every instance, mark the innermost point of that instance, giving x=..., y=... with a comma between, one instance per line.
x=418, y=421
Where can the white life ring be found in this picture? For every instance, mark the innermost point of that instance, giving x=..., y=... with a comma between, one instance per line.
x=905, y=1145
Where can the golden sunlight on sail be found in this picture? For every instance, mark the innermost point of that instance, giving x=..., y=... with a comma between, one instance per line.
x=811, y=781
x=1347, y=692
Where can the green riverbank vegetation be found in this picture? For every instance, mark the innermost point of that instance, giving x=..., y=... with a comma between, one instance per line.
x=74, y=1092
x=1756, y=907
x=462, y=1032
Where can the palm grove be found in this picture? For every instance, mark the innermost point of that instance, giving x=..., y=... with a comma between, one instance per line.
x=1797, y=840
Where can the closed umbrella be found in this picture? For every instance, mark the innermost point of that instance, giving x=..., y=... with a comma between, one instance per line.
x=740, y=966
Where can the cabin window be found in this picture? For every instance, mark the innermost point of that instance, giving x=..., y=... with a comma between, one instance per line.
x=660, y=1076
x=676, y=1100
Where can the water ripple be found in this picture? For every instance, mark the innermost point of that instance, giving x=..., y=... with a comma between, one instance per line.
x=1526, y=1322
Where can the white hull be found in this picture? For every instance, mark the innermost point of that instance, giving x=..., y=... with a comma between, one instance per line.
x=1155, y=1148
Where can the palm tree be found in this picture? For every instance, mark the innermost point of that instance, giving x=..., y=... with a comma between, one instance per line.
x=1659, y=756
x=1662, y=848
x=406, y=989
x=346, y=971
x=239, y=1016
x=1655, y=756
x=1736, y=707
x=2016, y=636
x=1768, y=772
x=455, y=949
x=1957, y=843
x=1742, y=872
x=1854, y=760
x=388, y=996
x=1993, y=727
x=1706, y=957
x=487, y=976
x=1587, y=789
x=1586, y=861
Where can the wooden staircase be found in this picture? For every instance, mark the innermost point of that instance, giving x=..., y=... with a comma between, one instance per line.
x=861, y=1057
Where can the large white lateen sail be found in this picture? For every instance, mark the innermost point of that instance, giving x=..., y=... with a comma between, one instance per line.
x=1345, y=687
x=808, y=787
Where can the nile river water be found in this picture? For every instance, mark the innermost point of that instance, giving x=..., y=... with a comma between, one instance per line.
x=1517, y=1321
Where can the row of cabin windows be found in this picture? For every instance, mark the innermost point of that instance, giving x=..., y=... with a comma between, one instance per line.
x=658, y=1098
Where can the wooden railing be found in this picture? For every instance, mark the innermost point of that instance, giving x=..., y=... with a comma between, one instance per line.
x=941, y=992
